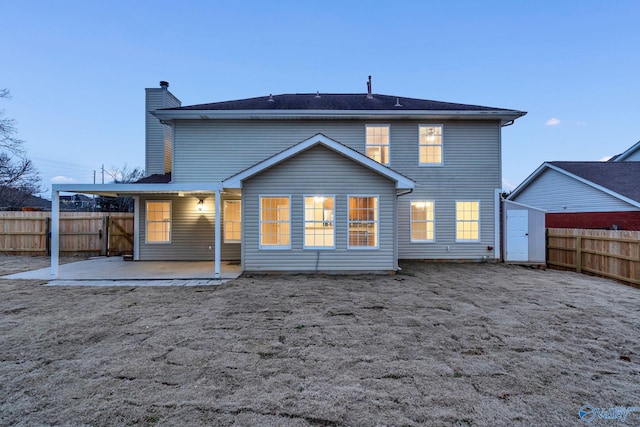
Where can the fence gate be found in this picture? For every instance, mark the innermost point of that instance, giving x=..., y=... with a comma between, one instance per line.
x=120, y=233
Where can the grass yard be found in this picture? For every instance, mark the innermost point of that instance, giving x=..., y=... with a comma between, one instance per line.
x=438, y=344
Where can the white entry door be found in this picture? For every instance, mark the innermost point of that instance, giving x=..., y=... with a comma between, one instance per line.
x=517, y=235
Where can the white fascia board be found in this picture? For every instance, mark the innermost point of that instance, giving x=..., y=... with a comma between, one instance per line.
x=596, y=186
x=504, y=116
x=511, y=202
x=628, y=152
x=524, y=184
x=402, y=182
x=546, y=165
x=116, y=189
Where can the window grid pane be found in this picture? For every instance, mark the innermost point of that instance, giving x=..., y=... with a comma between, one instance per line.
x=422, y=221
x=232, y=221
x=468, y=220
x=430, y=145
x=275, y=227
x=319, y=222
x=377, y=143
x=158, y=222
x=363, y=222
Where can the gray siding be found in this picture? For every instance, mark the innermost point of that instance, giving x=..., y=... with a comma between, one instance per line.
x=318, y=171
x=158, y=137
x=470, y=171
x=192, y=232
x=207, y=150
x=556, y=192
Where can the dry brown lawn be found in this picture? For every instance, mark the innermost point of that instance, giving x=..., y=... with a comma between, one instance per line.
x=439, y=344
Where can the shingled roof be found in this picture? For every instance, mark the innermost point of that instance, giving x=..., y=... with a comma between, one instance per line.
x=337, y=102
x=620, y=177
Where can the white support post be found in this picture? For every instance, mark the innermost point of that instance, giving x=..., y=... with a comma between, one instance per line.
x=136, y=228
x=217, y=236
x=55, y=231
x=498, y=224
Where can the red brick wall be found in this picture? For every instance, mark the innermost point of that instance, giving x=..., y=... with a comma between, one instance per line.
x=605, y=220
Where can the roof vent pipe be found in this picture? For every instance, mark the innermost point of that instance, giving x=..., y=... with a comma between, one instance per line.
x=164, y=85
x=369, y=94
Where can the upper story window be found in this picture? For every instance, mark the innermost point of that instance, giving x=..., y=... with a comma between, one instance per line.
x=275, y=222
x=422, y=221
x=378, y=143
x=319, y=229
x=363, y=222
x=468, y=221
x=430, y=145
x=232, y=221
x=158, y=221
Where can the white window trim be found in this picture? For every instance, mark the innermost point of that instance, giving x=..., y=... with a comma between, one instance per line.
x=224, y=221
x=432, y=165
x=273, y=247
x=304, y=222
x=146, y=222
x=479, y=221
x=411, y=221
x=377, y=222
x=379, y=125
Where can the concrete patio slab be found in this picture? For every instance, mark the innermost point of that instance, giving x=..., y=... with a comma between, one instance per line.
x=109, y=269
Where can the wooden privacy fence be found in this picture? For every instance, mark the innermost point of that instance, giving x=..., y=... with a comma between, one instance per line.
x=81, y=233
x=608, y=253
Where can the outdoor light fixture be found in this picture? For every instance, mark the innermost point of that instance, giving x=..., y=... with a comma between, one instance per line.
x=200, y=205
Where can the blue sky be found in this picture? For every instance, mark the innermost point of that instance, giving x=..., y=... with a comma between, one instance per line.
x=77, y=69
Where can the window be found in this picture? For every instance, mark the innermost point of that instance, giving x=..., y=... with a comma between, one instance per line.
x=378, y=143
x=232, y=221
x=363, y=222
x=275, y=222
x=468, y=221
x=318, y=222
x=430, y=145
x=158, y=222
x=422, y=221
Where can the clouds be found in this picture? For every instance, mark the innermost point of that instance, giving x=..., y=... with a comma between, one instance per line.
x=60, y=179
x=552, y=122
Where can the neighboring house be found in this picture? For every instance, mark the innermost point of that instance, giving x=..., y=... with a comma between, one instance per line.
x=603, y=195
x=317, y=182
x=77, y=202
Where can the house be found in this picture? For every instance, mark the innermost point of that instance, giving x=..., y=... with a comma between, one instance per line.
x=317, y=181
x=601, y=195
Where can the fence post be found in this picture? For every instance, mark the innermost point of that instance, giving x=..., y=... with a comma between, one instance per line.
x=104, y=236
x=579, y=254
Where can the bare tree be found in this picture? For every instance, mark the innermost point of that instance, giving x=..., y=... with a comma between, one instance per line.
x=121, y=175
x=19, y=179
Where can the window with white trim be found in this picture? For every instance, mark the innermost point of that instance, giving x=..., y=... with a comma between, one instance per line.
x=319, y=226
x=158, y=221
x=430, y=145
x=422, y=221
x=275, y=222
x=378, y=143
x=363, y=222
x=467, y=221
x=232, y=221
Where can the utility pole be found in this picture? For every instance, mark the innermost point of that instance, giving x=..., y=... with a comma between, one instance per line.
x=103, y=173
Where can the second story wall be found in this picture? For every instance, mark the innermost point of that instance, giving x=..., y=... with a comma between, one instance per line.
x=210, y=151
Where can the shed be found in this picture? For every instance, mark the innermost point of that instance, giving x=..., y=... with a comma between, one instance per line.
x=523, y=233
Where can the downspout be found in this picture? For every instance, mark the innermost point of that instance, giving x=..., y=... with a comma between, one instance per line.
x=509, y=123
x=395, y=246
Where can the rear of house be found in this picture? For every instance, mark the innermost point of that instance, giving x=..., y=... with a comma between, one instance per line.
x=319, y=182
